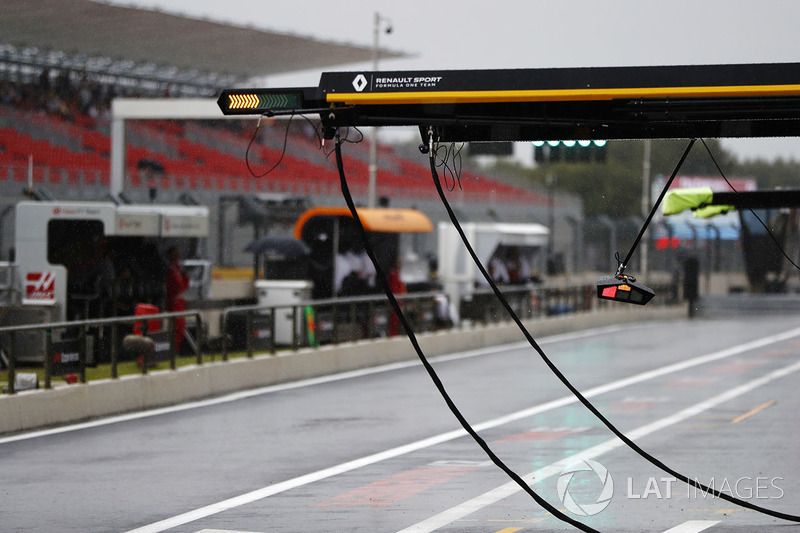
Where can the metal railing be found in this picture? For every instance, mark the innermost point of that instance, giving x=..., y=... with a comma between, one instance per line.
x=78, y=359
x=8, y=293
x=316, y=322
x=527, y=302
x=313, y=322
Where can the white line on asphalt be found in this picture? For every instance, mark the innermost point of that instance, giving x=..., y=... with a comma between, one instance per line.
x=693, y=526
x=504, y=491
x=319, y=475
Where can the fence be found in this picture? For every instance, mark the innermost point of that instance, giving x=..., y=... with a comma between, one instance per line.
x=327, y=320
x=307, y=323
x=314, y=322
x=70, y=354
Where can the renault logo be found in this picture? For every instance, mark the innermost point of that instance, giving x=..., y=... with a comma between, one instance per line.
x=359, y=83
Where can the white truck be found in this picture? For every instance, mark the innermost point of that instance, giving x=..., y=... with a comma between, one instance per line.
x=515, y=253
x=86, y=259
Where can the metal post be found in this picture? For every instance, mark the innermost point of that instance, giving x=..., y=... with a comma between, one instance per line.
x=12, y=361
x=220, y=231
x=48, y=357
x=373, y=145
x=373, y=141
x=82, y=353
x=295, y=340
x=551, y=222
x=224, y=327
x=577, y=243
x=249, y=333
x=334, y=325
x=114, y=354
x=371, y=329
x=117, y=154
x=272, y=330
x=645, y=200
x=612, y=232
x=198, y=320
x=336, y=240
x=173, y=355
x=145, y=353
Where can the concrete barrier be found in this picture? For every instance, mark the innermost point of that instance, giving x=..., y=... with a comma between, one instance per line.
x=66, y=404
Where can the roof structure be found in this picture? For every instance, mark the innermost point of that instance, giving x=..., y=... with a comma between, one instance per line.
x=116, y=40
x=677, y=101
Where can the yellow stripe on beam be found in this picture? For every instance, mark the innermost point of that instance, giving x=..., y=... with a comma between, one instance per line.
x=559, y=95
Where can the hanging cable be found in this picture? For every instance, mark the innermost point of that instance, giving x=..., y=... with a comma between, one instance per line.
x=428, y=367
x=583, y=400
x=451, y=153
x=317, y=135
x=624, y=263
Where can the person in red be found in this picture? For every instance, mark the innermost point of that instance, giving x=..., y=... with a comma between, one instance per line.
x=177, y=283
x=397, y=287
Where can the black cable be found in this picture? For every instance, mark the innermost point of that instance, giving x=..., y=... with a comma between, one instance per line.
x=252, y=140
x=428, y=367
x=454, y=171
x=586, y=403
x=283, y=148
x=769, y=231
x=627, y=259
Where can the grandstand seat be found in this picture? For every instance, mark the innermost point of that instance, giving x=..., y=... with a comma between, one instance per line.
x=84, y=121
x=195, y=155
x=96, y=141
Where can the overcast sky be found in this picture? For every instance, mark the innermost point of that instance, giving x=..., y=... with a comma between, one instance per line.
x=458, y=34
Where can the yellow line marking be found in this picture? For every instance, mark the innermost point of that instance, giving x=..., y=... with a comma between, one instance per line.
x=510, y=530
x=751, y=412
x=554, y=95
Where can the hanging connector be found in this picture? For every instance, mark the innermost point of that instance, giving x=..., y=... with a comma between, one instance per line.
x=620, y=266
x=427, y=147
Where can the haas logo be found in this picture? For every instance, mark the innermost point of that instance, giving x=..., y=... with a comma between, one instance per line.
x=40, y=285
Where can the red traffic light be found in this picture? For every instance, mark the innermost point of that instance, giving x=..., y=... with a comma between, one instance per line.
x=623, y=288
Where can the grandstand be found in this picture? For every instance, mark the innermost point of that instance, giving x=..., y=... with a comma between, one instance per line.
x=54, y=136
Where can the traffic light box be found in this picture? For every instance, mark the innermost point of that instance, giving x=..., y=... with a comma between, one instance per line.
x=569, y=151
x=623, y=288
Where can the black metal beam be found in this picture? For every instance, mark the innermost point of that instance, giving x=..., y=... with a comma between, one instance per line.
x=758, y=199
x=761, y=100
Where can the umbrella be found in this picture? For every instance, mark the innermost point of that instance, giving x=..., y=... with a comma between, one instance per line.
x=279, y=248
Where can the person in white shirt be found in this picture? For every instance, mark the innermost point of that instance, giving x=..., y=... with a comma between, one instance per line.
x=354, y=272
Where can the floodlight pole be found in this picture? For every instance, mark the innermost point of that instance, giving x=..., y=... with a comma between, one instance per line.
x=645, y=198
x=117, y=181
x=372, y=193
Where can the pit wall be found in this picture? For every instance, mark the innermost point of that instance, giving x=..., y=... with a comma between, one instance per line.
x=38, y=409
